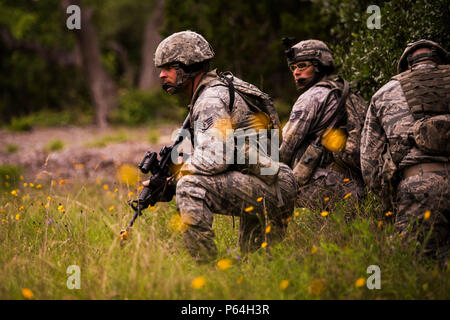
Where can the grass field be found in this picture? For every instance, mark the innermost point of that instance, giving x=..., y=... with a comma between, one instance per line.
x=48, y=226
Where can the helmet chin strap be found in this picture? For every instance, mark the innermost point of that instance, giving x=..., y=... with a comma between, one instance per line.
x=181, y=79
x=306, y=83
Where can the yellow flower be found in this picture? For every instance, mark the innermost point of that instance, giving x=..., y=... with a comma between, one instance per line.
x=387, y=214
x=38, y=186
x=259, y=199
x=130, y=193
x=316, y=286
x=31, y=184
x=21, y=178
x=49, y=198
x=249, y=209
x=15, y=193
x=264, y=244
x=20, y=208
x=127, y=174
x=346, y=180
x=27, y=293
x=105, y=187
x=334, y=139
x=314, y=249
x=198, y=282
x=18, y=216
x=3, y=221
x=326, y=199
x=380, y=223
x=427, y=215
x=360, y=282
x=25, y=184
x=296, y=214
x=224, y=264
x=347, y=195
x=176, y=224
x=124, y=235
x=115, y=190
x=324, y=213
x=284, y=284
x=61, y=208
x=111, y=208
x=268, y=229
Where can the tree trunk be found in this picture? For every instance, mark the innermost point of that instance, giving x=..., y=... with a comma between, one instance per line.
x=149, y=77
x=103, y=90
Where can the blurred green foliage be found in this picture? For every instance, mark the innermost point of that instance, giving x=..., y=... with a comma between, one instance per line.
x=108, y=139
x=139, y=106
x=54, y=145
x=246, y=37
x=9, y=176
x=371, y=56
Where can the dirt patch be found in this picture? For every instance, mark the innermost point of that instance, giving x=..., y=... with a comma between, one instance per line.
x=87, y=152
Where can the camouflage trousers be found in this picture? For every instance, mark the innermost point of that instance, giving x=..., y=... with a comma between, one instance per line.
x=415, y=196
x=326, y=187
x=257, y=204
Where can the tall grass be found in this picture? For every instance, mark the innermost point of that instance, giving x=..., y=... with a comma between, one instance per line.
x=45, y=230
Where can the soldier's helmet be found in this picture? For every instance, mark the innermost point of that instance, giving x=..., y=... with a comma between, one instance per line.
x=186, y=47
x=413, y=46
x=314, y=50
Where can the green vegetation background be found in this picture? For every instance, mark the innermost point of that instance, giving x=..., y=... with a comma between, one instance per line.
x=47, y=225
x=246, y=36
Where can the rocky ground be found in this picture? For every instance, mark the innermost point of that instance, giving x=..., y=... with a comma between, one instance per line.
x=87, y=152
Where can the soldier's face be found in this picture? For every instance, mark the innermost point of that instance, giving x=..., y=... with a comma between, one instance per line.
x=168, y=77
x=303, y=76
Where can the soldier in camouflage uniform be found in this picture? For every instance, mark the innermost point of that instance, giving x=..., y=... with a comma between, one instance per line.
x=207, y=182
x=405, y=146
x=322, y=179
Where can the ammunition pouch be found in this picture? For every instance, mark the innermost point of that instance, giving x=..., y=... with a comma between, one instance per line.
x=309, y=161
x=432, y=135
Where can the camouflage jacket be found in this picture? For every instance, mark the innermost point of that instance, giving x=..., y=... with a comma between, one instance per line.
x=215, y=130
x=385, y=146
x=304, y=118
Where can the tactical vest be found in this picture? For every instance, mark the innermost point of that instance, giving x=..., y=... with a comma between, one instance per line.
x=347, y=121
x=427, y=92
x=262, y=115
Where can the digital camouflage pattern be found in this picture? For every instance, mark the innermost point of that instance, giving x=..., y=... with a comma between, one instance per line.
x=207, y=187
x=417, y=195
x=186, y=47
x=411, y=47
x=327, y=181
x=386, y=150
x=312, y=50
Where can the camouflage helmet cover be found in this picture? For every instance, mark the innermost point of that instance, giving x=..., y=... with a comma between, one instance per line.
x=413, y=46
x=186, y=47
x=312, y=50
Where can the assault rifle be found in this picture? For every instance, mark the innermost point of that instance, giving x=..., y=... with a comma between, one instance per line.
x=161, y=187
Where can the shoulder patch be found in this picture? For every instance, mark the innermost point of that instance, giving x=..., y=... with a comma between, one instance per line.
x=204, y=125
x=295, y=115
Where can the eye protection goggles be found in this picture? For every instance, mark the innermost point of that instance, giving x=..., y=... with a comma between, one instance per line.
x=302, y=65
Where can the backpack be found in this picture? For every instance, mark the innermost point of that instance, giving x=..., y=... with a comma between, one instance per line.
x=353, y=108
x=258, y=101
x=427, y=96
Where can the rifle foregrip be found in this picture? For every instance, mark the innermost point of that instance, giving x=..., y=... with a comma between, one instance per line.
x=145, y=198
